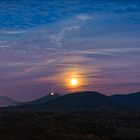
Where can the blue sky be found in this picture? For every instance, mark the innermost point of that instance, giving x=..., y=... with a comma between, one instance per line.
x=45, y=43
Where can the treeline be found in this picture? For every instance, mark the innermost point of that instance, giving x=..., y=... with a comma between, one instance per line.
x=95, y=125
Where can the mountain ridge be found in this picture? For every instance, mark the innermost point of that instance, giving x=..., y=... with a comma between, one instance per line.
x=131, y=99
x=77, y=100
x=44, y=99
x=87, y=100
x=7, y=101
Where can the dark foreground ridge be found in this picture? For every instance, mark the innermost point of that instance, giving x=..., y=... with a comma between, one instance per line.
x=83, y=125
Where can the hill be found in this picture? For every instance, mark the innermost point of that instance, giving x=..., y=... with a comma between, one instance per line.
x=6, y=101
x=132, y=99
x=43, y=99
x=86, y=100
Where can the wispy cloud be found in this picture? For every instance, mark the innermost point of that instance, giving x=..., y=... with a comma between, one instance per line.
x=57, y=38
x=84, y=17
x=11, y=32
x=5, y=46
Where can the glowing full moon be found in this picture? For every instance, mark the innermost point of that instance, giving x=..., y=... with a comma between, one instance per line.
x=74, y=82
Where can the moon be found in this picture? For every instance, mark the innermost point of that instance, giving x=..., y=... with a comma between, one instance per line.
x=74, y=82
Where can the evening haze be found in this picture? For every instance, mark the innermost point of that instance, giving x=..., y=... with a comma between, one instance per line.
x=66, y=46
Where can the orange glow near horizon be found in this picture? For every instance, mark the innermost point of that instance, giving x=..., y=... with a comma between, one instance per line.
x=73, y=79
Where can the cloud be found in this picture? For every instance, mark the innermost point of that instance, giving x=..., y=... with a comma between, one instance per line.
x=70, y=25
x=126, y=8
x=94, y=52
x=12, y=32
x=83, y=17
x=6, y=46
x=57, y=38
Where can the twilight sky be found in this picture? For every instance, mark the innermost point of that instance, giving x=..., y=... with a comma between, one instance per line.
x=44, y=43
